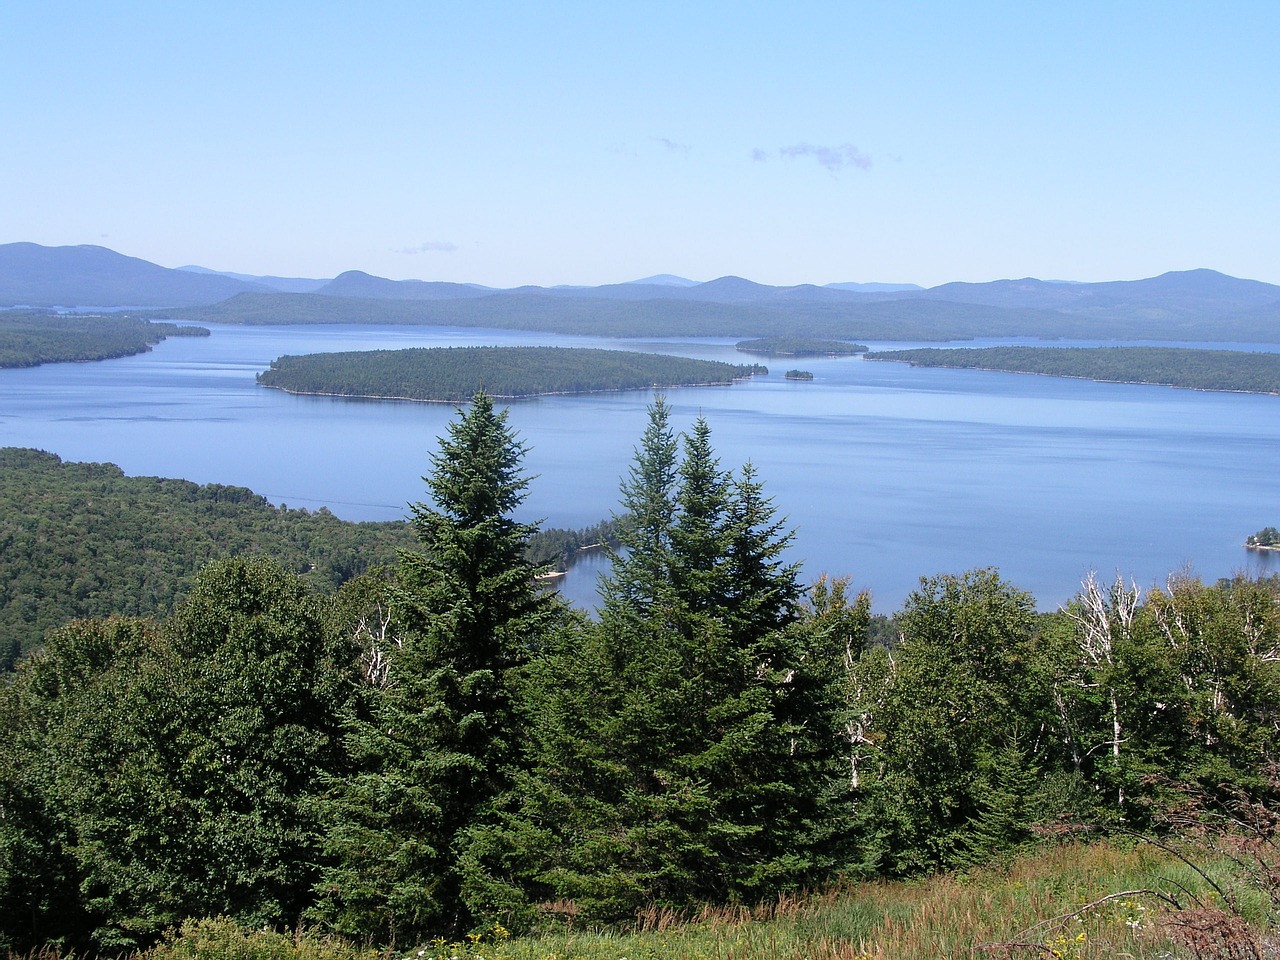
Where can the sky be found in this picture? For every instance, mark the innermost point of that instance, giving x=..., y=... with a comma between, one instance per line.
x=588, y=143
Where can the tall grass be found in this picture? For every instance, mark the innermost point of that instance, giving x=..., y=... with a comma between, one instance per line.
x=1072, y=902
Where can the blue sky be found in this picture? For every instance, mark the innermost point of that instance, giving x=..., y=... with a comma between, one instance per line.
x=588, y=143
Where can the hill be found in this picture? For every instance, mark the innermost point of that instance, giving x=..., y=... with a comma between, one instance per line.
x=84, y=540
x=36, y=276
x=1184, y=305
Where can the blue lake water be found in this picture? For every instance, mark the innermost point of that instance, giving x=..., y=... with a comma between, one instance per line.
x=886, y=472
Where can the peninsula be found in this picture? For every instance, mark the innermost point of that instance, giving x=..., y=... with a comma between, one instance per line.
x=1232, y=370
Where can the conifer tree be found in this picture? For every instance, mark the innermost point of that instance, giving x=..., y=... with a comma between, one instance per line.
x=441, y=737
x=685, y=743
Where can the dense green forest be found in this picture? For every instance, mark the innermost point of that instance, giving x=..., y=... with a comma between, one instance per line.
x=446, y=750
x=455, y=373
x=1167, y=366
x=83, y=540
x=28, y=339
x=799, y=347
x=798, y=375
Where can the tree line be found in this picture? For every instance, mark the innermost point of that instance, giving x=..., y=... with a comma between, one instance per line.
x=435, y=749
x=455, y=373
x=1166, y=366
x=83, y=540
x=799, y=347
x=871, y=319
x=30, y=338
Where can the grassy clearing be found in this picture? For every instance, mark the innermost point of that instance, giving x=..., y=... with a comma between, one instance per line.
x=1072, y=902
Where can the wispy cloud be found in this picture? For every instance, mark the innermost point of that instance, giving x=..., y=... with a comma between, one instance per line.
x=834, y=159
x=431, y=246
x=682, y=148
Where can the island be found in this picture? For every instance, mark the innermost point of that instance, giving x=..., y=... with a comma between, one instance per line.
x=454, y=374
x=798, y=375
x=30, y=338
x=799, y=347
x=1237, y=371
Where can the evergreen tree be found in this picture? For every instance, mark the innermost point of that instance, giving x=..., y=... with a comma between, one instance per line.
x=440, y=736
x=641, y=575
x=685, y=743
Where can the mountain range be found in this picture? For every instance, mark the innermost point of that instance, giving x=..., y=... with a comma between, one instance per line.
x=1190, y=304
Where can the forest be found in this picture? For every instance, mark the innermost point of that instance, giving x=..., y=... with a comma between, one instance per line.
x=799, y=347
x=440, y=754
x=903, y=319
x=82, y=540
x=451, y=374
x=1234, y=370
x=30, y=338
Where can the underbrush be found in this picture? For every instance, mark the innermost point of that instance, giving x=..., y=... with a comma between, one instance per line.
x=1072, y=902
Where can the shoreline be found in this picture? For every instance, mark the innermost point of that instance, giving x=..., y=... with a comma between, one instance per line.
x=1073, y=376
x=505, y=396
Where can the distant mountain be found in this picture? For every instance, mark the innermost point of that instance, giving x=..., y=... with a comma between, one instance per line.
x=90, y=276
x=355, y=283
x=665, y=280
x=1179, y=294
x=874, y=287
x=1186, y=305
x=283, y=284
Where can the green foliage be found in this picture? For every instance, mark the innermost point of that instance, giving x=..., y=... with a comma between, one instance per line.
x=685, y=748
x=162, y=773
x=437, y=736
x=800, y=347
x=442, y=746
x=1266, y=537
x=455, y=373
x=798, y=375
x=1168, y=366
x=30, y=339
x=83, y=540
x=954, y=724
x=557, y=549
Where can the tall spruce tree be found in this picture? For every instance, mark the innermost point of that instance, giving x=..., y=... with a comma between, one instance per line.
x=440, y=734
x=684, y=744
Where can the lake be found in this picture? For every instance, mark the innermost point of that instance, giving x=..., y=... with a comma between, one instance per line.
x=887, y=473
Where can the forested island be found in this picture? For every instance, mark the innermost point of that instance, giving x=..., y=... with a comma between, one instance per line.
x=726, y=761
x=1238, y=371
x=798, y=375
x=30, y=338
x=453, y=374
x=84, y=540
x=799, y=347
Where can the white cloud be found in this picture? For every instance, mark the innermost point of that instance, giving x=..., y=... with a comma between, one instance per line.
x=431, y=246
x=833, y=159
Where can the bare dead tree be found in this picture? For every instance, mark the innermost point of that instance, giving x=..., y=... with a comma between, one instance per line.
x=1103, y=618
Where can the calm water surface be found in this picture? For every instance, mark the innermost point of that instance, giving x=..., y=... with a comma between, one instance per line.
x=887, y=473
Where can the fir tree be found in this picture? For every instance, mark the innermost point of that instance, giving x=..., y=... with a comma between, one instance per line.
x=684, y=744
x=440, y=738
